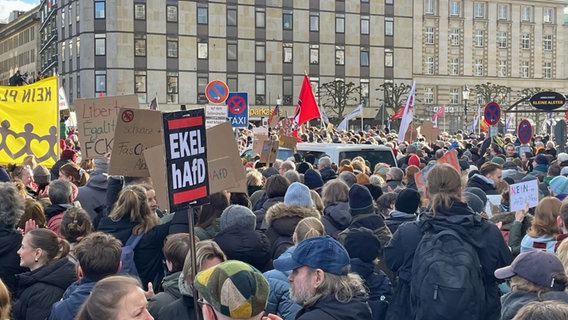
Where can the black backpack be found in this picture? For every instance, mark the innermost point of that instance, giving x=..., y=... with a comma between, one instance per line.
x=446, y=279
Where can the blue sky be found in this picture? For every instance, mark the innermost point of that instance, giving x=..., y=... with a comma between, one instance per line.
x=7, y=6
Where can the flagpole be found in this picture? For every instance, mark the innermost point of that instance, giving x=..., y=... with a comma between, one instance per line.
x=443, y=106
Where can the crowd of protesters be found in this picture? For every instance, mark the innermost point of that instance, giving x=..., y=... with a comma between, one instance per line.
x=308, y=239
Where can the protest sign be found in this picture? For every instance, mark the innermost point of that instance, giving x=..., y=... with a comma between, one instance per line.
x=29, y=122
x=96, y=122
x=221, y=174
x=523, y=193
x=451, y=158
x=220, y=144
x=288, y=142
x=135, y=131
x=259, y=135
x=429, y=132
x=421, y=176
x=186, y=158
x=493, y=204
x=269, y=151
x=154, y=158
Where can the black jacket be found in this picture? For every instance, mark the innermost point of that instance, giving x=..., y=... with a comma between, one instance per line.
x=260, y=213
x=483, y=235
x=477, y=181
x=11, y=241
x=38, y=290
x=327, y=308
x=336, y=218
x=513, y=301
x=182, y=308
x=327, y=174
x=250, y=246
x=396, y=218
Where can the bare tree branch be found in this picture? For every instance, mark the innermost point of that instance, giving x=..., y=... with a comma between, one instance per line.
x=336, y=95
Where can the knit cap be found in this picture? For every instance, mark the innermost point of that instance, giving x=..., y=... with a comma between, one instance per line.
x=239, y=216
x=559, y=185
x=474, y=202
x=234, y=289
x=41, y=175
x=360, y=200
x=362, y=243
x=414, y=160
x=346, y=167
x=312, y=179
x=541, y=159
x=407, y=201
x=298, y=194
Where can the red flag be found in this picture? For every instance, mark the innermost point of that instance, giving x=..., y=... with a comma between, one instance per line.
x=439, y=113
x=307, y=108
x=398, y=114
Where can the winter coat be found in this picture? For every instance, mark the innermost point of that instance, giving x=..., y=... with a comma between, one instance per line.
x=182, y=308
x=327, y=174
x=513, y=301
x=539, y=169
x=281, y=220
x=393, y=184
x=279, y=302
x=209, y=232
x=11, y=241
x=260, y=213
x=336, y=218
x=328, y=308
x=148, y=254
x=539, y=243
x=396, y=218
x=483, y=235
x=54, y=215
x=73, y=299
x=92, y=196
x=378, y=285
x=482, y=183
x=516, y=233
x=170, y=294
x=38, y=290
x=371, y=221
x=249, y=246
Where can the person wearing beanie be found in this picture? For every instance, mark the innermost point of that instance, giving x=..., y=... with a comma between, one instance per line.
x=540, y=165
x=313, y=180
x=68, y=155
x=92, y=196
x=303, y=167
x=559, y=187
x=405, y=208
x=498, y=160
x=414, y=160
x=364, y=249
x=474, y=202
x=346, y=167
x=240, y=241
x=410, y=150
x=562, y=159
x=298, y=194
x=275, y=188
x=362, y=178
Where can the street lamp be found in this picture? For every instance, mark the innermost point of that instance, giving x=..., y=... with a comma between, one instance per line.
x=465, y=96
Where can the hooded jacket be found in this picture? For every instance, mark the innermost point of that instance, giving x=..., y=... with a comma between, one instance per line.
x=38, y=290
x=483, y=235
x=170, y=294
x=182, y=308
x=539, y=243
x=281, y=220
x=378, y=285
x=328, y=308
x=327, y=174
x=396, y=218
x=279, y=297
x=260, y=213
x=9, y=258
x=92, y=196
x=73, y=299
x=54, y=215
x=513, y=301
x=482, y=183
x=336, y=218
x=249, y=246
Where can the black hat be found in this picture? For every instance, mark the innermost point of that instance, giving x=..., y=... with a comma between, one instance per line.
x=362, y=243
x=407, y=201
x=312, y=179
x=303, y=167
x=474, y=202
x=360, y=200
x=376, y=191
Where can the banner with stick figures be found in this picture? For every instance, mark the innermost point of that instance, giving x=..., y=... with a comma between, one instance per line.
x=29, y=123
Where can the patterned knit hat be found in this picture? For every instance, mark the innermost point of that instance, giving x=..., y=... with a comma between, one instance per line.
x=234, y=289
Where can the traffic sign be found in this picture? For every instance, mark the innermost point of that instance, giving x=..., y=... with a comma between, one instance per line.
x=492, y=113
x=525, y=131
x=237, y=105
x=216, y=91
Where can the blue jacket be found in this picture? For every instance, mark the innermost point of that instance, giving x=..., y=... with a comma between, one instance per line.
x=279, y=302
x=72, y=300
x=539, y=243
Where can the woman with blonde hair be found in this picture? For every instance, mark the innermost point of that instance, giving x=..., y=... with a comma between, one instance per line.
x=51, y=272
x=74, y=174
x=336, y=216
x=5, y=302
x=131, y=218
x=544, y=229
x=447, y=211
x=25, y=175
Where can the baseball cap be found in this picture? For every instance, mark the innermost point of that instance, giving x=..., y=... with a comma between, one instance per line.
x=234, y=289
x=537, y=266
x=322, y=252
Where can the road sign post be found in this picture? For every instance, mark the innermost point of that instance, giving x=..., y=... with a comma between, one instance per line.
x=238, y=111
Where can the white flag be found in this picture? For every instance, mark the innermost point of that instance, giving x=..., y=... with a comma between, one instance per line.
x=408, y=113
x=357, y=111
x=63, y=105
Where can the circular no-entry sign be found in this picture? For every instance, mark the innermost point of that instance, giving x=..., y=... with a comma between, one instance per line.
x=525, y=131
x=492, y=113
x=216, y=91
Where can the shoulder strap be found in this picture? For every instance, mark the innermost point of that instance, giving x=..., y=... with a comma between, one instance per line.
x=133, y=240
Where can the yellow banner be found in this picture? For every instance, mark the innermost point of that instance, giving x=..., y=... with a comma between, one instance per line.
x=29, y=122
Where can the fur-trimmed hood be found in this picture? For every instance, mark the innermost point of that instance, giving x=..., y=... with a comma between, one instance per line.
x=281, y=210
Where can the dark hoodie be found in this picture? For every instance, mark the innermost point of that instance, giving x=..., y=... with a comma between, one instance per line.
x=513, y=301
x=396, y=218
x=38, y=290
x=481, y=234
x=327, y=174
x=378, y=285
x=336, y=218
x=9, y=259
x=328, y=308
x=92, y=196
x=260, y=213
x=249, y=246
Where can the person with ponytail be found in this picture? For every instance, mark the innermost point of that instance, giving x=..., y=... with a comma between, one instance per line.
x=447, y=211
x=279, y=302
x=74, y=174
x=51, y=272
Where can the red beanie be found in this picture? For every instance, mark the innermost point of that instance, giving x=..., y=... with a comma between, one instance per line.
x=69, y=154
x=414, y=160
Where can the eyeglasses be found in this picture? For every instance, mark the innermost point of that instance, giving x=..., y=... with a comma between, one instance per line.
x=203, y=303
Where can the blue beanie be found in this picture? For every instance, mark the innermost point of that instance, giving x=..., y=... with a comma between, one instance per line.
x=298, y=194
x=559, y=185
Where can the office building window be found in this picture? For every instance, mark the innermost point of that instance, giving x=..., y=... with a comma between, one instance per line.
x=364, y=57
x=232, y=52
x=478, y=39
x=260, y=18
x=140, y=44
x=502, y=68
x=454, y=66
x=526, y=13
x=287, y=91
x=172, y=87
x=171, y=13
x=232, y=16
x=454, y=37
x=99, y=10
x=525, y=69
x=287, y=52
x=547, y=42
x=287, y=20
x=389, y=26
x=389, y=58
x=260, y=88
x=314, y=21
x=429, y=35
x=232, y=82
x=478, y=67
x=455, y=9
x=340, y=55
x=100, y=44
x=202, y=15
x=502, y=39
x=364, y=83
x=365, y=24
x=429, y=65
x=140, y=11
x=479, y=10
x=140, y=81
x=526, y=40
x=202, y=80
x=503, y=11
x=100, y=81
x=202, y=49
x=548, y=15
x=260, y=51
x=454, y=96
x=547, y=70
x=172, y=48
x=339, y=23
x=429, y=6
x=428, y=95
x=314, y=53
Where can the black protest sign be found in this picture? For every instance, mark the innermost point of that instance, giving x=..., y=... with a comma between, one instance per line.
x=186, y=158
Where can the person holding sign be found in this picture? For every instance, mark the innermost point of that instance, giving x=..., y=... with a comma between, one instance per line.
x=544, y=229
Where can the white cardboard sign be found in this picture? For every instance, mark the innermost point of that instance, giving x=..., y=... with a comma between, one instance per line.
x=523, y=193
